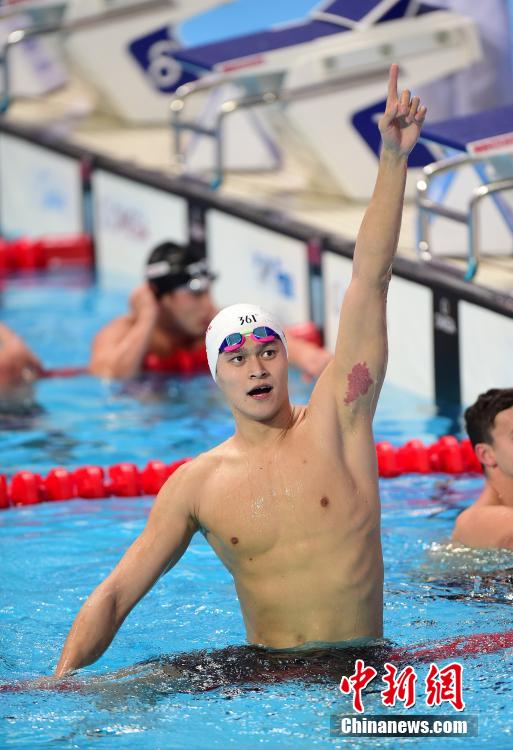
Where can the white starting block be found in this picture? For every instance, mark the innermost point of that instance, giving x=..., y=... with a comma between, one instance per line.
x=475, y=163
x=130, y=60
x=350, y=43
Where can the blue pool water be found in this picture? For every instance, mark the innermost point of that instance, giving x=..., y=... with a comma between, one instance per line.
x=53, y=555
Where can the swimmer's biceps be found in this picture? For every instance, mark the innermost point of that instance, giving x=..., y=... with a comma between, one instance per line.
x=361, y=352
x=112, y=332
x=172, y=521
x=108, y=336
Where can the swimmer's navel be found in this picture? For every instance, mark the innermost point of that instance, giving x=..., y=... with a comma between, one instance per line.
x=234, y=540
x=325, y=502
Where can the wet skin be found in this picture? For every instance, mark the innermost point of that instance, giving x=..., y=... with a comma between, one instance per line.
x=489, y=521
x=299, y=534
x=290, y=503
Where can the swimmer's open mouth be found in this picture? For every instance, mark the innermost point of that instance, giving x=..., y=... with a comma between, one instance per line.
x=260, y=390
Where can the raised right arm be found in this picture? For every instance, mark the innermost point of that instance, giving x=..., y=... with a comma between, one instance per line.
x=167, y=534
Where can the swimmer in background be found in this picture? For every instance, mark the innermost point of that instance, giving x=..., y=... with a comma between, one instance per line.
x=169, y=314
x=19, y=366
x=19, y=369
x=489, y=521
x=290, y=503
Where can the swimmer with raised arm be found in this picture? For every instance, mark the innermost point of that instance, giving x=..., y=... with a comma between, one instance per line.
x=290, y=502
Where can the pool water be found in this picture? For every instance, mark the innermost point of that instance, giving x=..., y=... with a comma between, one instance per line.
x=54, y=554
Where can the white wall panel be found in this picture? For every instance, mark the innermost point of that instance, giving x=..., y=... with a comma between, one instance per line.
x=40, y=190
x=258, y=265
x=410, y=325
x=486, y=351
x=130, y=219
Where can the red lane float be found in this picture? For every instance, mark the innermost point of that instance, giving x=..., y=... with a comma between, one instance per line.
x=35, y=254
x=65, y=372
x=465, y=645
x=447, y=455
x=87, y=482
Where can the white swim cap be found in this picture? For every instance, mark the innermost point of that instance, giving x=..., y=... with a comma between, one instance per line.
x=234, y=319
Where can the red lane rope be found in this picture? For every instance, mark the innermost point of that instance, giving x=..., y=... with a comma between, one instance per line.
x=468, y=645
x=38, y=253
x=447, y=455
x=64, y=372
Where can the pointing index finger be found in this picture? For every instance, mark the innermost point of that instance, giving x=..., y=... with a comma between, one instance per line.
x=392, y=82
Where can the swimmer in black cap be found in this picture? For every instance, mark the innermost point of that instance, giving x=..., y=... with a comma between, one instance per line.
x=169, y=313
x=165, y=328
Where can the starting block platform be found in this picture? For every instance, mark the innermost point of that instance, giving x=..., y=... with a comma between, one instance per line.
x=324, y=77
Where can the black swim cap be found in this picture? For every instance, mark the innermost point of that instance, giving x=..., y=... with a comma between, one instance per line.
x=170, y=266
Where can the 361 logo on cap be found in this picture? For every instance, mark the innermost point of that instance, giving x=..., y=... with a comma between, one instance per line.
x=245, y=319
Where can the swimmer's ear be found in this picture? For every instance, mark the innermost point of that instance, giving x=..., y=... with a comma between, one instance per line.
x=485, y=455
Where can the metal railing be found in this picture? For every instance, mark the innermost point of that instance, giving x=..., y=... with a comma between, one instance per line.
x=426, y=207
x=250, y=101
x=17, y=36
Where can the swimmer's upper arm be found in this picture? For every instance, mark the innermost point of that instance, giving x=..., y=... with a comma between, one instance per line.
x=344, y=400
x=352, y=382
x=490, y=526
x=168, y=532
x=106, y=339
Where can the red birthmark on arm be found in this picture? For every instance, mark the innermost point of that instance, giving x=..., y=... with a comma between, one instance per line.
x=358, y=382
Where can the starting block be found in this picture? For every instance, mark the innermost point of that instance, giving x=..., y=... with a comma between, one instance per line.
x=326, y=76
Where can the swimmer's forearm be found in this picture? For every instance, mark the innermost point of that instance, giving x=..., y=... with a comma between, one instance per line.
x=123, y=359
x=129, y=354
x=91, y=634
x=377, y=239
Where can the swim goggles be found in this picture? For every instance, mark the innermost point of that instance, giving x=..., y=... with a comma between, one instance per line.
x=260, y=334
x=198, y=284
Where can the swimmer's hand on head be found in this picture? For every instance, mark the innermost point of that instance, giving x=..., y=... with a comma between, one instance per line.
x=167, y=534
x=143, y=303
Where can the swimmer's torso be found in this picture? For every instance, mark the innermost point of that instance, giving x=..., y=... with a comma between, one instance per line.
x=301, y=540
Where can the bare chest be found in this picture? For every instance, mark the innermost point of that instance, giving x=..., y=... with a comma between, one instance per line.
x=276, y=503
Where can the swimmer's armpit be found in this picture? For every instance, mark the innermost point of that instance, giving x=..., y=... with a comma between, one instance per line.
x=358, y=383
